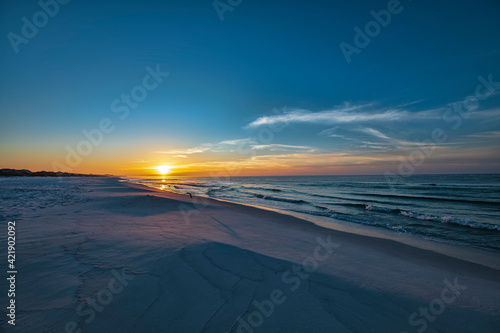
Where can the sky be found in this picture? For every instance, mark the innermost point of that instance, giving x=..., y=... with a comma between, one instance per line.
x=238, y=88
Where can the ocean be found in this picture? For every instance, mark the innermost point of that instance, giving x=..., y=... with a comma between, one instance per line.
x=455, y=209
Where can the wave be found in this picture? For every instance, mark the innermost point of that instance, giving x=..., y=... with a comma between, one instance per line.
x=220, y=188
x=446, y=219
x=451, y=220
x=191, y=184
x=348, y=218
x=380, y=209
x=370, y=207
x=432, y=198
x=399, y=228
x=335, y=197
x=348, y=185
x=268, y=197
x=261, y=189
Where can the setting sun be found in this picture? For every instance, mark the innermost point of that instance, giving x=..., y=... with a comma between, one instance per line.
x=163, y=169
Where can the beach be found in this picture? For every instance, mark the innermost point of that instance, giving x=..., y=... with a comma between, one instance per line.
x=121, y=257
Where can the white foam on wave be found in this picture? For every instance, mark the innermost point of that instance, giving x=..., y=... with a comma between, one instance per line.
x=378, y=208
x=451, y=220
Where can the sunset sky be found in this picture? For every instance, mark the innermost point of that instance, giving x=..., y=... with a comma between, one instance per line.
x=265, y=91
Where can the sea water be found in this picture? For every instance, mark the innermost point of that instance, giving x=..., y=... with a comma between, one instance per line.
x=455, y=209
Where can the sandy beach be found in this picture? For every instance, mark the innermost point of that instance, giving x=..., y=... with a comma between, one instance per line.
x=126, y=258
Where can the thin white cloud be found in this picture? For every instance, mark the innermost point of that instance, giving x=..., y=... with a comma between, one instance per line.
x=343, y=114
x=411, y=103
x=347, y=113
x=182, y=153
x=237, y=142
x=394, y=143
x=375, y=133
x=274, y=147
x=228, y=146
x=332, y=133
x=489, y=113
x=486, y=135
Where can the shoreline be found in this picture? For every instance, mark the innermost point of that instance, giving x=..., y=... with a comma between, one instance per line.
x=477, y=256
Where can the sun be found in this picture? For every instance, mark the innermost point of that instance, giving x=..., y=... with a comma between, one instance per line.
x=163, y=169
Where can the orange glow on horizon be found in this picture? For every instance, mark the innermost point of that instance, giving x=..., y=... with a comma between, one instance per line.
x=146, y=162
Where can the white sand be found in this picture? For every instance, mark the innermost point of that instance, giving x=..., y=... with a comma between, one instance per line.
x=221, y=267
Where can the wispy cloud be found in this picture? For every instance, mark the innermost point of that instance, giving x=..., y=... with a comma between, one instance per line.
x=343, y=114
x=351, y=114
x=182, y=153
x=384, y=142
x=488, y=113
x=238, y=142
x=229, y=146
x=485, y=135
x=333, y=133
x=277, y=147
x=375, y=133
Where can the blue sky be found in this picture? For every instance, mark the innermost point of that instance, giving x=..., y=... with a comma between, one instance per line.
x=267, y=63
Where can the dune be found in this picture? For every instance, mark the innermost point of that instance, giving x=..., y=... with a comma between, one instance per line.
x=126, y=258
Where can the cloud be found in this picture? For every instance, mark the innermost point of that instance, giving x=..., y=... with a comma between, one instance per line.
x=394, y=142
x=228, y=146
x=350, y=114
x=385, y=142
x=332, y=133
x=486, y=135
x=343, y=114
x=275, y=147
x=375, y=133
x=237, y=142
x=489, y=113
x=182, y=153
